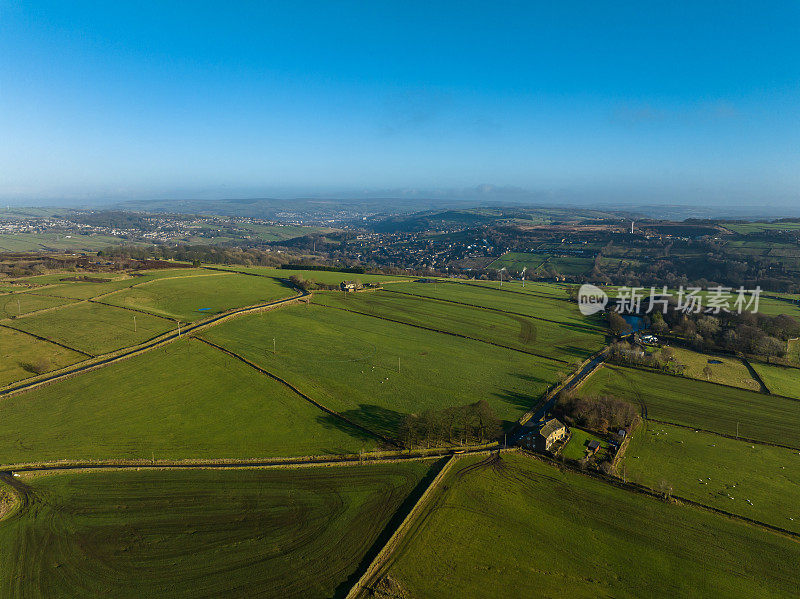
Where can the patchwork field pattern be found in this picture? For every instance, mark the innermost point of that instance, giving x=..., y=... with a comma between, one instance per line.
x=699, y=404
x=376, y=372
x=186, y=400
x=518, y=523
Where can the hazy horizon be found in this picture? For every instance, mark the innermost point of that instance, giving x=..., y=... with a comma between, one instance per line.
x=574, y=102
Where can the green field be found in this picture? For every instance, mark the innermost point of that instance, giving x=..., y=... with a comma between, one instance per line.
x=703, y=405
x=536, y=263
x=519, y=526
x=349, y=363
x=23, y=356
x=194, y=298
x=551, y=290
x=94, y=328
x=780, y=380
x=185, y=401
x=37, y=242
x=327, y=277
x=571, y=340
x=716, y=471
x=14, y=304
x=731, y=371
x=245, y=533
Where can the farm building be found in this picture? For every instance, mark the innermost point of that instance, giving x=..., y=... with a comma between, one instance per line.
x=594, y=446
x=351, y=285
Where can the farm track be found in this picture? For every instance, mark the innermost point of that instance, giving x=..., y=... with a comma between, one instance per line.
x=136, y=350
x=312, y=401
x=452, y=334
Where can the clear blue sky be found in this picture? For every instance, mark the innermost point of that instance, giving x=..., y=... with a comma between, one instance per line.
x=685, y=101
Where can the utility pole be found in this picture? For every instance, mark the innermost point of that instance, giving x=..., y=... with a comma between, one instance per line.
x=398, y=363
x=134, y=323
x=19, y=308
x=737, y=429
x=273, y=345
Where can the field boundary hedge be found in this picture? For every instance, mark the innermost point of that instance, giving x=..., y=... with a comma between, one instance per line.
x=433, y=330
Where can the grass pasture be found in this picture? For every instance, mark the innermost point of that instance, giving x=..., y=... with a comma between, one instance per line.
x=349, y=362
x=186, y=400
x=191, y=298
x=731, y=371
x=700, y=404
x=523, y=525
x=571, y=340
x=15, y=304
x=23, y=356
x=94, y=328
x=536, y=262
x=717, y=471
x=781, y=380
x=209, y=533
x=326, y=277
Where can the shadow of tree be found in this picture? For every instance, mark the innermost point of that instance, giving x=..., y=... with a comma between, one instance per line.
x=380, y=420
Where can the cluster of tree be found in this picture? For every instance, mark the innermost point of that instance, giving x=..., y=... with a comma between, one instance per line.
x=208, y=254
x=757, y=334
x=623, y=353
x=310, y=284
x=601, y=413
x=457, y=425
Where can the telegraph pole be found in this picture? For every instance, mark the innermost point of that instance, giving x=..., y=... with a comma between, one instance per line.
x=134, y=323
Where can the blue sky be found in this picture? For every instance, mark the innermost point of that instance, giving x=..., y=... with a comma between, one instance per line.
x=630, y=101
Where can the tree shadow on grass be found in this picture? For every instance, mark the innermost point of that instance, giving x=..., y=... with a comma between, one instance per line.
x=524, y=401
x=380, y=420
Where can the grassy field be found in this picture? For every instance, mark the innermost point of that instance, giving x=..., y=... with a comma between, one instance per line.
x=14, y=304
x=731, y=371
x=539, y=262
x=349, y=363
x=327, y=277
x=570, y=342
x=551, y=290
x=94, y=328
x=780, y=380
x=522, y=525
x=575, y=449
x=194, y=298
x=245, y=533
x=37, y=242
x=187, y=400
x=23, y=356
x=559, y=310
x=720, y=472
x=702, y=405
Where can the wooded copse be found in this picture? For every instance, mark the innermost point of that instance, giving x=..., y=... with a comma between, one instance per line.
x=456, y=425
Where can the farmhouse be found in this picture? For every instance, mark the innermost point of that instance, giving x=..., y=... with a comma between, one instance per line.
x=351, y=285
x=546, y=436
